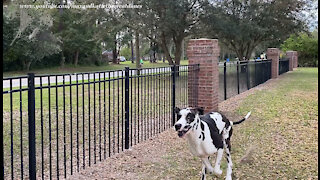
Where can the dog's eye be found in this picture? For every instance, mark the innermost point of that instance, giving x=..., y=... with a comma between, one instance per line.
x=190, y=118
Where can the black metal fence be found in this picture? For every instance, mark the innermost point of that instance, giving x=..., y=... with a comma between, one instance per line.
x=283, y=65
x=55, y=125
x=237, y=76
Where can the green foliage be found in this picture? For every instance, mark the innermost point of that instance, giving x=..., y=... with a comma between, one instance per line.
x=306, y=45
x=27, y=37
x=242, y=25
x=165, y=22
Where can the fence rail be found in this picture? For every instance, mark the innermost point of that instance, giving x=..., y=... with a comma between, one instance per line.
x=238, y=76
x=283, y=65
x=59, y=124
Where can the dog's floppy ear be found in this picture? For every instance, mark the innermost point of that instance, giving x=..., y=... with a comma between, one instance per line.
x=200, y=110
x=176, y=110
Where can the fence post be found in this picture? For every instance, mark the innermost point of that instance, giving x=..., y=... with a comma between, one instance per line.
x=206, y=53
x=248, y=76
x=255, y=74
x=126, y=130
x=173, y=75
x=273, y=54
x=225, y=80
x=290, y=55
x=238, y=77
x=31, y=126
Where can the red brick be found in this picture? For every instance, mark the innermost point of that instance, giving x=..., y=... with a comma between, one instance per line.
x=204, y=52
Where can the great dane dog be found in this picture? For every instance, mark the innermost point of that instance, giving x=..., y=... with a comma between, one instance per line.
x=207, y=134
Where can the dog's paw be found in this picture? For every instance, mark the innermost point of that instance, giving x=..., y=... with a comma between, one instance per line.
x=217, y=171
x=210, y=170
x=228, y=178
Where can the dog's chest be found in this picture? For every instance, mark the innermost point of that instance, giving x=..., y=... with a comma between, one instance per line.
x=201, y=143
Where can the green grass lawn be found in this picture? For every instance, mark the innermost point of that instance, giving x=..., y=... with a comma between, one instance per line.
x=278, y=141
x=92, y=68
x=283, y=131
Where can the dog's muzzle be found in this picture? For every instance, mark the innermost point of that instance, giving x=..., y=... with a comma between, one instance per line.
x=182, y=132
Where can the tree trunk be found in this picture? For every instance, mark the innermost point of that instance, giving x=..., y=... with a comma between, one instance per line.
x=28, y=64
x=131, y=43
x=137, y=52
x=150, y=55
x=165, y=49
x=114, y=51
x=177, y=54
x=63, y=59
x=182, y=50
x=76, y=58
x=154, y=56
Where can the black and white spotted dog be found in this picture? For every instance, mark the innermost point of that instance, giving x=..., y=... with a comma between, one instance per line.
x=207, y=134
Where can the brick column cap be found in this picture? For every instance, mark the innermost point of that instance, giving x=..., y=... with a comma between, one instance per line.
x=273, y=51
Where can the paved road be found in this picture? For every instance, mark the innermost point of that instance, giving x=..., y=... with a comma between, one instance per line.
x=24, y=81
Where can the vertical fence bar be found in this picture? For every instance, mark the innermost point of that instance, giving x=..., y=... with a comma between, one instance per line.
x=77, y=94
x=255, y=73
x=238, y=77
x=109, y=113
x=173, y=74
x=225, y=79
x=127, y=108
x=122, y=110
x=83, y=127
x=11, y=129
x=248, y=80
x=118, y=113
x=131, y=132
x=89, y=120
x=49, y=122
x=21, y=131
x=94, y=120
x=64, y=128
x=71, y=127
x=41, y=115
x=32, y=127
x=99, y=116
x=104, y=114
x=1, y=151
x=57, y=126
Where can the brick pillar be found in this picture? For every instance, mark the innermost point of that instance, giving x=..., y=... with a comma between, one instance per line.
x=295, y=62
x=204, y=52
x=290, y=55
x=273, y=54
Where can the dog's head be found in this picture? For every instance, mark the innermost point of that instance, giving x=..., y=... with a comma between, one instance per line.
x=186, y=118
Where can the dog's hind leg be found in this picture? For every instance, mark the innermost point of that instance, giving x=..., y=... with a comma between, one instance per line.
x=204, y=171
x=226, y=143
x=217, y=169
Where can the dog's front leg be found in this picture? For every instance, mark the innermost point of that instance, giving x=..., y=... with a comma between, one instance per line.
x=217, y=169
x=207, y=164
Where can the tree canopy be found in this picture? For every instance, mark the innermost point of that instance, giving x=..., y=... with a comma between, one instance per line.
x=307, y=46
x=243, y=25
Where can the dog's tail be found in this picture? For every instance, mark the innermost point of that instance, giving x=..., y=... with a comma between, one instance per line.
x=246, y=117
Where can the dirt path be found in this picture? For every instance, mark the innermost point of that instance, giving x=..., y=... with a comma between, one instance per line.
x=167, y=157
